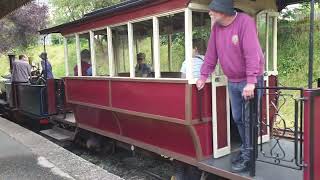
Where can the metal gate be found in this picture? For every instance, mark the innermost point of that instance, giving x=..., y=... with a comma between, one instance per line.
x=285, y=125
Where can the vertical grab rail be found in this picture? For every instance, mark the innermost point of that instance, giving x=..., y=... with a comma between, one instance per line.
x=252, y=109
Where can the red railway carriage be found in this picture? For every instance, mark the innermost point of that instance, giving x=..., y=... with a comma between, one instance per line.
x=163, y=112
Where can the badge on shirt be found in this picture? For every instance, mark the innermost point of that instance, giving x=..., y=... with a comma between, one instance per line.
x=235, y=39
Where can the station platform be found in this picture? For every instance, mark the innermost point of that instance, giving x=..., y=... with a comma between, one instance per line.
x=25, y=155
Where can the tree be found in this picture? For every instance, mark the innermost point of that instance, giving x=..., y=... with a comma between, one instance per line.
x=20, y=29
x=71, y=10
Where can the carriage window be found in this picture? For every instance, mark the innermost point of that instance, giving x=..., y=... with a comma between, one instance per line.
x=201, y=30
x=121, y=51
x=101, y=52
x=72, y=55
x=172, y=45
x=85, y=55
x=143, y=50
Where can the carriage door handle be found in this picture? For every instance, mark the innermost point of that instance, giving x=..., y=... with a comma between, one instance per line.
x=200, y=100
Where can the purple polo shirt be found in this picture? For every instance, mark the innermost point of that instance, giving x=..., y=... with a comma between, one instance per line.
x=238, y=49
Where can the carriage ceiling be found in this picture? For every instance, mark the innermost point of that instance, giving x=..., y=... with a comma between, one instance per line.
x=8, y=6
x=130, y=5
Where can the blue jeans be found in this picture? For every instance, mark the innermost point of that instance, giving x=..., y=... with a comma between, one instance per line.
x=240, y=112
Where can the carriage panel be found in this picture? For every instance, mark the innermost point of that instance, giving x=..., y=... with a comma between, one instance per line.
x=88, y=91
x=96, y=118
x=170, y=136
x=206, y=108
x=222, y=117
x=204, y=132
x=162, y=99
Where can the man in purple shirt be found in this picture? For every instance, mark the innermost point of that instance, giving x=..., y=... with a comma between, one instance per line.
x=234, y=42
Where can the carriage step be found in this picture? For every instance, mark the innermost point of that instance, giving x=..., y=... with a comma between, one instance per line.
x=59, y=134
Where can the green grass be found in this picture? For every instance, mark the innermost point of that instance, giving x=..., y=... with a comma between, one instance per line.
x=55, y=56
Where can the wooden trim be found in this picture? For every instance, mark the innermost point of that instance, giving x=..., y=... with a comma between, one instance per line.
x=66, y=56
x=188, y=43
x=188, y=103
x=266, y=137
x=196, y=142
x=130, y=48
x=214, y=118
x=228, y=110
x=219, y=152
x=267, y=43
x=115, y=116
x=160, y=80
x=156, y=47
x=275, y=44
x=78, y=55
x=93, y=54
x=110, y=51
x=152, y=148
x=134, y=113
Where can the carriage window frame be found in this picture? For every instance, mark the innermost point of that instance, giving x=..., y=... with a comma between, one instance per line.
x=111, y=48
x=135, y=45
x=270, y=41
x=94, y=53
x=66, y=54
x=79, y=49
x=156, y=43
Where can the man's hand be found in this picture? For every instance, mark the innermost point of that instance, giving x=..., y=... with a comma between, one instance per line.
x=248, y=91
x=200, y=84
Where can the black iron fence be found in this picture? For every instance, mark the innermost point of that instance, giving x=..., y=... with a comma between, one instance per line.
x=277, y=133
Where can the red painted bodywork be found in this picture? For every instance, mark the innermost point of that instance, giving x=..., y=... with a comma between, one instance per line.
x=153, y=113
x=93, y=91
x=125, y=16
x=222, y=117
x=149, y=97
x=308, y=146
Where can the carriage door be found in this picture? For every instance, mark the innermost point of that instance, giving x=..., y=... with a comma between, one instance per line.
x=220, y=114
x=267, y=31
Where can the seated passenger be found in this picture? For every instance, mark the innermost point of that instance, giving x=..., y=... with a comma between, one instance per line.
x=85, y=64
x=142, y=69
x=197, y=59
x=21, y=70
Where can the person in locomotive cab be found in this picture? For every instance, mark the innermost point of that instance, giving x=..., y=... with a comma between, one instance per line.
x=85, y=64
x=45, y=62
x=234, y=41
x=197, y=59
x=142, y=69
x=21, y=70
